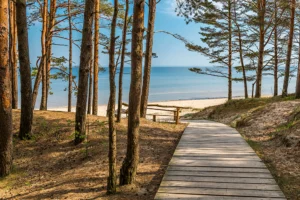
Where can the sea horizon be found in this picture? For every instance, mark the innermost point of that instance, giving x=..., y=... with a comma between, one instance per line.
x=167, y=84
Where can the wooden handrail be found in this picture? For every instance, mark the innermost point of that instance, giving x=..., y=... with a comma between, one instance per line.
x=176, y=111
x=162, y=106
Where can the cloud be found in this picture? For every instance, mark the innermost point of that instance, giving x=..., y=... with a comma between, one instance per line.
x=167, y=7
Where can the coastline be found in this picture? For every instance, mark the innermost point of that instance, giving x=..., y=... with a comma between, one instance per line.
x=195, y=104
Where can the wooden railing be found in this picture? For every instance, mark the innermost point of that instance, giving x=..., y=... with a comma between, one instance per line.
x=176, y=110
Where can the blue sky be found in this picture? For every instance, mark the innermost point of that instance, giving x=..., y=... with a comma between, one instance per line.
x=170, y=51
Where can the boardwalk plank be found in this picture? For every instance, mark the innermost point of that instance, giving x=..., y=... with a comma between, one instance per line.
x=167, y=196
x=218, y=174
x=220, y=185
x=222, y=192
x=219, y=169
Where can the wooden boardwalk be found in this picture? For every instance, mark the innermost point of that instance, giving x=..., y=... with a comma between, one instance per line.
x=213, y=161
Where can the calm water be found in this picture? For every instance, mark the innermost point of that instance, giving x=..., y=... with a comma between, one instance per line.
x=167, y=83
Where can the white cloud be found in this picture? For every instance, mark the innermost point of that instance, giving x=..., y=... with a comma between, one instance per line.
x=167, y=7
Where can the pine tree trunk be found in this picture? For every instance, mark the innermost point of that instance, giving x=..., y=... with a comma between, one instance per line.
x=112, y=155
x=85, y=57
x=119, y=116
x=25, y=72
x=298, y=74
x=70, y=58
x=96, y=57
x=44, y=55
x=241, y=51
x=261, y=16
x=90, y=88
x=148, y=58
x=276, y=52
x=289, y=50
x=129, y=166
x=13, y=54
x=49, y=46
x=5, y=94
x=229, y=52
x=37, y=82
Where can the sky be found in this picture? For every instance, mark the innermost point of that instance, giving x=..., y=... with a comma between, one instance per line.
x=169, y=50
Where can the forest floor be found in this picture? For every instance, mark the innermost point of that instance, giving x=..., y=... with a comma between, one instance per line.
x=50, y=166
x=271, y=126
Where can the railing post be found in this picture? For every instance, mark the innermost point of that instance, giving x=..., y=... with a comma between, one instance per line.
x=154, y=118
x=177, y=116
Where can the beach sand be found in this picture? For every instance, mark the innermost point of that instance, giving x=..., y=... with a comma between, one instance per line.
x=195, y=104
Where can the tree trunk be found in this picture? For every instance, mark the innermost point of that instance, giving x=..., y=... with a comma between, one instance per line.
x=13, y=54
x=49, y=46
x=129, y=166
x=5, y=95
x=148, y=58
x=70, y=58
x=112, y=178
x=25, y=72
x=96, y=57
x=289, y=51
x=122, y=63
x=241, y=51
x=261, y=16
x=90, y=88
x=44, y=55
x=298, y=75
x=85, y=57
x=229, y=52
x=276, y=52
x=37, y=82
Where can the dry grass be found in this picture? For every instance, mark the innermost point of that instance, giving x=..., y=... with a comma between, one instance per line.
x=272, y=127
x=50, y=167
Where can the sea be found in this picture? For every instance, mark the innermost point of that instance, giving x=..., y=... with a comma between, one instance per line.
x=167, y=83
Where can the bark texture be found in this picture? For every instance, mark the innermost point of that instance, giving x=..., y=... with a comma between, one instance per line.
x=241, y=52
x=148, y=58
x=70, y=57
x=275, y=93
x=96, y=57
x=229, y=51
x=297, y=93
x=13, y=54
x=49, y=47
x=130, y=163
x=122, y=62
x=5, y=94
x=25, y=72
x=85, y=57
x=89, y=111
x=261, y=4
x=112, y=154
x=44, y=56
x=289, y=50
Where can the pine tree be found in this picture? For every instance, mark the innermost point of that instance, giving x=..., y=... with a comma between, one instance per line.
x=148, y=57
x=85, y=57
x=96, y=57
x=217, y=34
x=5, y=94
x=130, y=163
x=25, y=72
x=13, y=53
x=289, y=50
x=112, y=178
x=124, y=34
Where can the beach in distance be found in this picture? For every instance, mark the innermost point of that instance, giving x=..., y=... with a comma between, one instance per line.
x=169, y=86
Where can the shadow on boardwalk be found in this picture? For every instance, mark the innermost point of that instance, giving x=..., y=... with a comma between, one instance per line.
x=213, y=161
